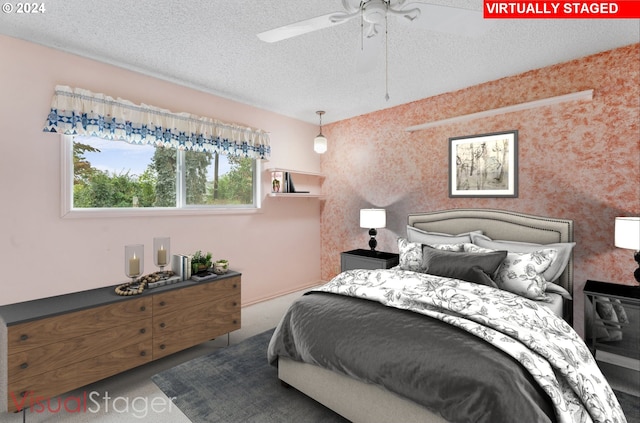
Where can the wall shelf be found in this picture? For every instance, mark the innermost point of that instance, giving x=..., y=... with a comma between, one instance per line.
x=304, y=181
x=295, y=172
x=294, y=195
x=581, y=95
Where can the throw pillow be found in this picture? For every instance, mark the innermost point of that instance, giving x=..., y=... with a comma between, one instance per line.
x=470, y=267
x=411, y=253
x=556, y=268
x=522, y=273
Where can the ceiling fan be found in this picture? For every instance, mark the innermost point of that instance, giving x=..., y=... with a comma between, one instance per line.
x=374, y=15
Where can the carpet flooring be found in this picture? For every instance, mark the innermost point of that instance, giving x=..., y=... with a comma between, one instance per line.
x=236, y=384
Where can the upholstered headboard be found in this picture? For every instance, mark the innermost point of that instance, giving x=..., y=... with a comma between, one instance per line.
x=504, y=225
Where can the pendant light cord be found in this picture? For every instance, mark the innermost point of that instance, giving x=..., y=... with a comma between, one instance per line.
x=386, y=53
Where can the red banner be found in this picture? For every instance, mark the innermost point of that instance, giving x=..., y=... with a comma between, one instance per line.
x=561, y=9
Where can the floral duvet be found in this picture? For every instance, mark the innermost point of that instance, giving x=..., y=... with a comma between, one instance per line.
x=547, y=375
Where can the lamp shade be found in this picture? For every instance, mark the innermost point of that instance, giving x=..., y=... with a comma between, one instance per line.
x=627, y=230
x=373, y=218
x=320, y=144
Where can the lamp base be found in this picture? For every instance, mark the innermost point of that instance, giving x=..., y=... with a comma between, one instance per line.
x=372, y=241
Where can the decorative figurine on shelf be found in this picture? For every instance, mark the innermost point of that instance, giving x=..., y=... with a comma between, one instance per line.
x=275, y=185
x=138, y=286
x=200, y=262
x=221, y=267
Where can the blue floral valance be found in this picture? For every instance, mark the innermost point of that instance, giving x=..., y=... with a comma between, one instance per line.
x=75, y=111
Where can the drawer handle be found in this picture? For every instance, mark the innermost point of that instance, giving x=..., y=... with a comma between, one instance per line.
x=143, y=353
x=162, y=347
x=235, y=322
x=235, y=303
x=143, y=330
x=143, y=308
x=162, y=325
x=235, y=285
x=24, y=337
x=24, y=365
x=162, y=303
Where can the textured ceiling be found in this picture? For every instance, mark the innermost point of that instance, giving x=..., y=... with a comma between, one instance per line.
x=211, y=45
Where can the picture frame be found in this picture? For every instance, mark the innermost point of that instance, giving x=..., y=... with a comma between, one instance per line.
x=484, y=165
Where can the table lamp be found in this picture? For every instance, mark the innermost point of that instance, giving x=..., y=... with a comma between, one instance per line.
x=373, y=219
x=627, y=235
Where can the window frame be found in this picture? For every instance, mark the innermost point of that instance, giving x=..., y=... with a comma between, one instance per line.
x=68, y=211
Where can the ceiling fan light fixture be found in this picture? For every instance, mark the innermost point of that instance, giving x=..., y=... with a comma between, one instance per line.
x=375, y=11
x=320, y=141
x=374, y=14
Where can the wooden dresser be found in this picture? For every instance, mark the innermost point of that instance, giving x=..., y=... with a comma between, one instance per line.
x=54, y=345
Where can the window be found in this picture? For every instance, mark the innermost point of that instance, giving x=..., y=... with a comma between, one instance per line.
x=103, y=175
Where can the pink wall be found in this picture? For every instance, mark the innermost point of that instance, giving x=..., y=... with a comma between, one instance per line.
x=577, y=160
x=42, y=254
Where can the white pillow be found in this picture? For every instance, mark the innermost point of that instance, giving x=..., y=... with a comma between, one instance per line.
x=554, y=288
x=410, y=255
x=473, y=248
x=429, y=238
x=522, y=273
x=556, y=268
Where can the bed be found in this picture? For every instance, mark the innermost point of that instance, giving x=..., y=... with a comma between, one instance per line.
x=418, y=344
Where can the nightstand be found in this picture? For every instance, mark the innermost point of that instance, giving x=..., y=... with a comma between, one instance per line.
x=615, y=322
x=367, y=259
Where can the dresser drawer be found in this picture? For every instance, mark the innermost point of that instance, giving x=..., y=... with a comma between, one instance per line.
x=78, y=374
x=41, y=332
x=199, y=314
x=169, y=342
x=173, y=301
x=59, y=354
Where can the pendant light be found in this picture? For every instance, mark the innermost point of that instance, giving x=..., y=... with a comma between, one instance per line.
x=320, y=142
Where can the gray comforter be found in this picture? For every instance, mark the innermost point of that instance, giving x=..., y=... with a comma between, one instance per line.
x=450, y=370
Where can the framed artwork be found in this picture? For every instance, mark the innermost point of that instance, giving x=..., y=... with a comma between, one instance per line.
x=484, y=165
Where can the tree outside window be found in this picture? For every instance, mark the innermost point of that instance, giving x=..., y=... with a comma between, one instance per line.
x=116, y=174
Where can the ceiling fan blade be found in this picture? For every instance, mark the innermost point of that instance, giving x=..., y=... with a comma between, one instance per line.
x=304, y=27
x=448, y=19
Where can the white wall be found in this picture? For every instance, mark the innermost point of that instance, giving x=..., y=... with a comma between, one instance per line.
x=42, y=254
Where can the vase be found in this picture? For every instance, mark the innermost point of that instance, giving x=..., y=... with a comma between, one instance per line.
x=220, y=268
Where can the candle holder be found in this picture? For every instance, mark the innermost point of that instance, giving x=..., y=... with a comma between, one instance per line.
x=133, y=261
x=162, y=253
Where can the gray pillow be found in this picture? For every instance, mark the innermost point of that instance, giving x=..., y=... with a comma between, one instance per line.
x=552, y=273
x=411, y=253
x=424, y=237
x=470, y=267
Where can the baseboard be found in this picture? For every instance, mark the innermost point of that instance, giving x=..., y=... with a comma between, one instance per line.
x=283, y=293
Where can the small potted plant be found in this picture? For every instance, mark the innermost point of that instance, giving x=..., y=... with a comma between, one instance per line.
x=221, y=266
x=200, y=262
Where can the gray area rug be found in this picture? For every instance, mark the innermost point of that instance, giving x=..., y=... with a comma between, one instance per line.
x=630, y=406
x=236, y=384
